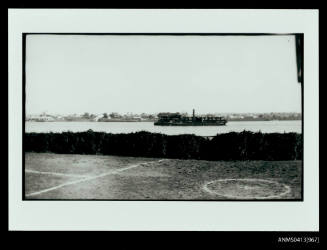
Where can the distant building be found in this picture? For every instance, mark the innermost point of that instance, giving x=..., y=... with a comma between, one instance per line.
x=40, y=118
x=97, y=117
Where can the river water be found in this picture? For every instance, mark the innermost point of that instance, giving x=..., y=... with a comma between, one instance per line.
x=128, y=127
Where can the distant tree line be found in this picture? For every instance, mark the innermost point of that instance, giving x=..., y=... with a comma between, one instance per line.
x=231, y=146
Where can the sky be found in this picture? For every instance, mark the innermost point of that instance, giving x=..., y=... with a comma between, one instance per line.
x=68, y=74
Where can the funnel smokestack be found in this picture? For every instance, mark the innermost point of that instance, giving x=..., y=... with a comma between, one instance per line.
x=193, y=113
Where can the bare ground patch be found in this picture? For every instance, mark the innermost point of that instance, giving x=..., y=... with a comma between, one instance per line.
x=152, y=179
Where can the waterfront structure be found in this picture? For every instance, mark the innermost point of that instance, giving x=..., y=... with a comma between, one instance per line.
x=176, y=119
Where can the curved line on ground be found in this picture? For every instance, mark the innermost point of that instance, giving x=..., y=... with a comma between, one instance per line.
x=286, y=187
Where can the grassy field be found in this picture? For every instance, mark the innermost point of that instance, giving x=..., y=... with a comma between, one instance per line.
x=60, y=176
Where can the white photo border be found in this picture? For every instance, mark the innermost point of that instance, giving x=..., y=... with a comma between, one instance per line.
x=161, y=215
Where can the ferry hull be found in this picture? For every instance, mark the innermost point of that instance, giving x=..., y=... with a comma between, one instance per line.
x=222, y=123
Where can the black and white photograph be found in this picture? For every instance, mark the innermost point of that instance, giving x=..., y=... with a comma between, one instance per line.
x=164, y=120
x=163, y=116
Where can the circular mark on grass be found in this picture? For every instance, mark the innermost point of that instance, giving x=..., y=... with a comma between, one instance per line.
x=244, y=189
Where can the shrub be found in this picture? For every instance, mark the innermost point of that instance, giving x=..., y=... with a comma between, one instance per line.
x=230, y=146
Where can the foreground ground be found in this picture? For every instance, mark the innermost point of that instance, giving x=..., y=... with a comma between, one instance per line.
x=59, y=176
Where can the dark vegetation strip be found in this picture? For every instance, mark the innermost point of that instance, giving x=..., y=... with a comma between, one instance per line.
x=231, y=146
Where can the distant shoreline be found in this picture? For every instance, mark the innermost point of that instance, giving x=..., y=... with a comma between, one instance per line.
x=230, y=120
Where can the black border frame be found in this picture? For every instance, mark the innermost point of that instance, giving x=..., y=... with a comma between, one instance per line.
x=24, y=35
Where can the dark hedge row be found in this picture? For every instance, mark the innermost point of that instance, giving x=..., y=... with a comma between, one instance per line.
x=231, y=146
